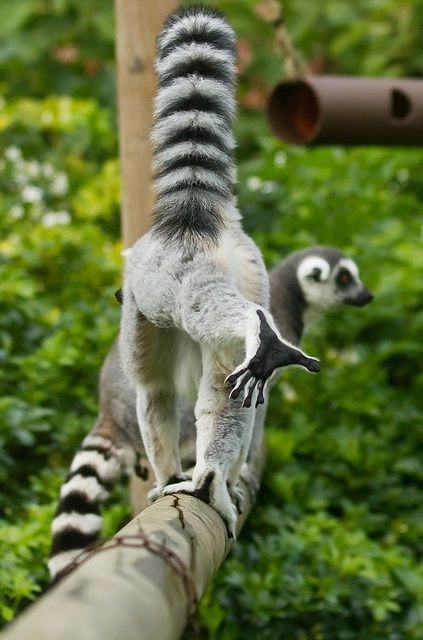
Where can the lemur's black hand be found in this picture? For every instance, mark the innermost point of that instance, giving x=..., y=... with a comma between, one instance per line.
x=271, y=354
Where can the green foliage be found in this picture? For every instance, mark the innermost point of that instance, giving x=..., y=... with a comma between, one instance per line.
x=21, y=546
x=63, y=47
x=310, y=577
x=59, y=268
x=377, y=37
x=333, y=548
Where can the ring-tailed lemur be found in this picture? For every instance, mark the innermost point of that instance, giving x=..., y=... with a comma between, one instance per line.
x=306, y=282
x=195, y=290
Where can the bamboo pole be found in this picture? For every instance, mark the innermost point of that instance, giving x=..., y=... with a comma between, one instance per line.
x=144, y=583
x=137, y=24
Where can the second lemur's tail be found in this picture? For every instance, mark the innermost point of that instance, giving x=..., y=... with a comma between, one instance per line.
x=96, y=467
x=194, y=170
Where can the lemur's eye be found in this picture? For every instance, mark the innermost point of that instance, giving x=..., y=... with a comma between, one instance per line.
x=344, y=278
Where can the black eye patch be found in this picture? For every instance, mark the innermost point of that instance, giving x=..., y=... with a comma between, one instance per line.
x=344, y=278
x=315, y=274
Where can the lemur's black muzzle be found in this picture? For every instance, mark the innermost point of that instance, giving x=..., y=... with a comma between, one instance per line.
x=359, y=299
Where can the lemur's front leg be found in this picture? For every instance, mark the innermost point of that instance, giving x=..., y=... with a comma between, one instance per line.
x=223, y=436
x=270, y=353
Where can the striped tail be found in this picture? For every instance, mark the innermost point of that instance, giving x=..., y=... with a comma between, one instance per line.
x=77, y=523
x=194, y=169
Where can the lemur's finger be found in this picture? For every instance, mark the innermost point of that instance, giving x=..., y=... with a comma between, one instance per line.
x=240, y=385
x=260, y=396
x=231, y=379
x=286, y=354
x=310, y=363
x=249, y=396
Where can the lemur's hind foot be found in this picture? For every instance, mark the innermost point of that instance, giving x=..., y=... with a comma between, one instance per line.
x=158, y=491
x=212, y=489
x=271, y=354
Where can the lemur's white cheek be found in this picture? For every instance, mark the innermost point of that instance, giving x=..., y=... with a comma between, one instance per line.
x=320, y=296
x=310, y=292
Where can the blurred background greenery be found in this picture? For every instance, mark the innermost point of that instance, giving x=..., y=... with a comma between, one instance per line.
x=333, y=548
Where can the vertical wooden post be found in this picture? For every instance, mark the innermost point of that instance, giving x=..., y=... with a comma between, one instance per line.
x=137, y=23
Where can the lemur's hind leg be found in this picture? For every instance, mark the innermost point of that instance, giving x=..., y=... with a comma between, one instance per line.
x=150, y=356
x=159, y=425
x=223, y=432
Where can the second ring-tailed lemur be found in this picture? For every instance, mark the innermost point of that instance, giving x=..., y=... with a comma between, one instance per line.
x=305, y=283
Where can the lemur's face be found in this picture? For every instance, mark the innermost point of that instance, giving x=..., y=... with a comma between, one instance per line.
x=324, y=285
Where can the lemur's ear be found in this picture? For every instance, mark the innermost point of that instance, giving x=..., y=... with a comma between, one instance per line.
x=315, y=274
x=119, y=295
